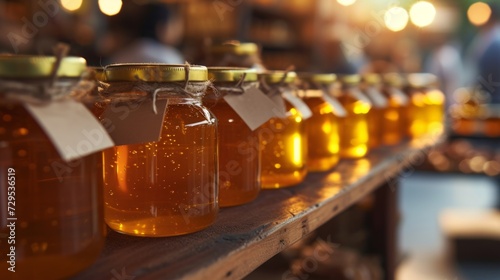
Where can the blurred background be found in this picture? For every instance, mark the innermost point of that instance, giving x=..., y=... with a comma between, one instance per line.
x=450, y=225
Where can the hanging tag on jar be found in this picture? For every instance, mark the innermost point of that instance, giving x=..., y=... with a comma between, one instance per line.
x=400, y=97
x=358, y=95
x=253, y=106
x=134, y=122
x=74, y=131
x=338, y=109
x=300, y=105
x=377, y=98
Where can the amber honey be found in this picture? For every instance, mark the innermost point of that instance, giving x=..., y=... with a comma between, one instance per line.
x=283, y=142
x=353, y=128
x=322, y=126
x=58, y=205
x=375, y=117
x=239, y=154
x=394, y=122
x=167, y=187
x=435, y=101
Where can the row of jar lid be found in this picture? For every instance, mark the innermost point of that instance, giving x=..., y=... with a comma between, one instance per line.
x=73, y=67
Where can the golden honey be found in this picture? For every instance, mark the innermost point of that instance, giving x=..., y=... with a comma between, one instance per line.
x=353, y=128
x=394, y=122
x=435, y=103
x=239, y=155
x=283, y=140
x=322, y=127
x=416, y=116
x=375, y=117
x=168, y=187
x=58, y=205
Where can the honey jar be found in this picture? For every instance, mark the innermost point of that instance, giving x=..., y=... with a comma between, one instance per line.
x=371, y=87
x=283, y=139
x=51, y=206
x=435, y=103
x=165, y=186
x=322, y=128
x=394, y=122
x=239, y=154
x=354, y=135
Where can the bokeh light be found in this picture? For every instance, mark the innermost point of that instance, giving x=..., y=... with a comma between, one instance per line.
x=479, y=13
x=396, y=19
x=422, y=13
x=71, y=5
x=346, y=2
x=110, y=7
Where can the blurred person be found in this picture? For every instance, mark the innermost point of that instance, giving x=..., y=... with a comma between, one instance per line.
x=146, y=34
x=483, y=57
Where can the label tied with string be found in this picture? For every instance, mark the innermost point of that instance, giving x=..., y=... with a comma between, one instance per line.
x=400, y=97
x=377, y=98
x=134, y=121
x=300, y=105
x=253, y=106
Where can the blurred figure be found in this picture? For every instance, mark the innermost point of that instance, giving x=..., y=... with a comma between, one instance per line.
x=155, y=29
x=483, y=56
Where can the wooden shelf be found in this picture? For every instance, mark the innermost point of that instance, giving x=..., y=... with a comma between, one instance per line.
x=244, y=237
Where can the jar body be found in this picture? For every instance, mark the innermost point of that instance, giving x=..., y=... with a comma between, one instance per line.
x=417, y=114
x=59, y=229
x=435, y=100
x=239, y=154
x=168, y=187
x=394, y=126
x=353, y=128
x=284, y=150
x=376, y=124
x=322, y=134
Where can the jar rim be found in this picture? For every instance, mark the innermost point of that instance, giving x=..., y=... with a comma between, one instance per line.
x=273, y=77
x=321, y=78
x=155, y=72
x=231, y=74
x=32, y=66
x=350, y=79
x=235, y=47
x=371, y=78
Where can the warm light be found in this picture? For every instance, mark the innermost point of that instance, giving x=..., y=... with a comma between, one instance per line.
x=479, y=13
x=346, y=2
x=422, y=13
x=396, y=19
x=71, y=5
x=110, y=7
x=297, y=149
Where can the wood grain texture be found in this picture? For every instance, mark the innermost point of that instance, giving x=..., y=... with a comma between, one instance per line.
x=246, y=236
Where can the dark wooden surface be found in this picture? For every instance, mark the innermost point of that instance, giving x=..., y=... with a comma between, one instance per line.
x=244, y=237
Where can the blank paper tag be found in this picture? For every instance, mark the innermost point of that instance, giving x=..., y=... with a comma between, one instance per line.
x=338, y=109
x=300, y=105
x=378, y=99
x=74, y=131
x=400, y=97
x=254, y=107
x=134, y=122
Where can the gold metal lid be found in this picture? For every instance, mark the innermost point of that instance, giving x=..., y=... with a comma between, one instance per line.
x=321, y=78
x=99, y=73
x=393, y=79
x=273, y=77
x=235, y=47
x=421, y=80
x=27, y=66
x=231, y=74
x=371, y=78
x=351, y=79
x=154, y=72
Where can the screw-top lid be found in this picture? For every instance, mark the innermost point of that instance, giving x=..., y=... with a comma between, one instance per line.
x=322, y=78
x=273, y=77
x=422, y=80
x=351, y=79
x=393, y=79
x=371, y=78
x=26, y=66
x=231, y=74
x=155, y=72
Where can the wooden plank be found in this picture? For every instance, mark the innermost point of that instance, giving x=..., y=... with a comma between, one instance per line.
x=244, y=237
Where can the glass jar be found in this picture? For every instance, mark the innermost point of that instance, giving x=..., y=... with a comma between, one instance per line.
x=394, y=122
x=417, y=114
x=435, y=103
x=371, y=87
x=354, y=135
x=322, y=128
x=239, y=155
x=234, y=54
x=57, y=205
x=283, y=140
x=166, y=187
